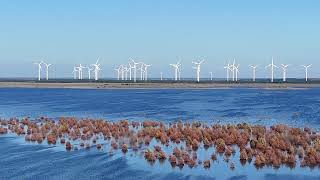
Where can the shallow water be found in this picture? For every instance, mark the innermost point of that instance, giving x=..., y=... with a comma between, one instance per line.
x=32, y=161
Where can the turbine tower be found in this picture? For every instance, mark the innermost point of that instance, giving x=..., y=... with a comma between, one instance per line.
x=134, y=67
x=161, y=76
x=89, y=72
x=126, y=70
x=198, y=69
x=233, y=66
x=141, y=68
x=96, y=69
x=118, y=72
x=130, y=70
x=254, y=68
x=75, y=70
x=146, y=66
x=228, y=68
x=39, y=69
x=284, y=72
x=306, y=69
x=210, y=76
x=177, y=71
x=122, y=72
x=80, y=69
x=47, y=70
x=272, y=66
x=236, y=69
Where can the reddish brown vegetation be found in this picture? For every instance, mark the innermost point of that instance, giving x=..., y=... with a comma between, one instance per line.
x=68, y=146
x=3, y=130
x=206, y=164
x=272, y=146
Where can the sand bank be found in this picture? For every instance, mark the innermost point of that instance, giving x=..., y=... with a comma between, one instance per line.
x=154, y=85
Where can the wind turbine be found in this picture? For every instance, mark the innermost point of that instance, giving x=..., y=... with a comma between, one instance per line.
x=79, y=72
x=122, y=72
x=130, y=70
x=96, y=69
x=89, y=72
x=47, y=70
x=75, y=70
x=80, y=68
x=177, y=72
x=254, y=67
x=126, y=70
x=228, y=68
x=237, y=71
x=272, y=66
x=306, y=68
x=118, y=71
x=284, y=69
x=141, y=71
x=233, y=69
x=198, y=68
x=210, y=76
x=134, y=67
x=39, y=69
x=146, y=71
x=161, y=76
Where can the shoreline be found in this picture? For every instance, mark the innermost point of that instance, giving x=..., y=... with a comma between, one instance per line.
x=155, y=85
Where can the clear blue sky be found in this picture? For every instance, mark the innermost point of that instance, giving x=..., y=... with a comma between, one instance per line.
x=158, y=32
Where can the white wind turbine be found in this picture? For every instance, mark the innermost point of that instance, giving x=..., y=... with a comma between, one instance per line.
x=75, y=70
x=254, y=68
x=96, y=69
x=125, y=70
x=284, y=71
x=79, y=72
x=198, y=69
x=118, y=71
x=134, y=67
x=141, y=68
x=272, y=66
x=211, y=74
x=161, y=76
x=236, y=69
x=130, y=70
x=89, y=72
x=177, y=72
x=228, y=68
x=80, y=69
x=39, y=69
x=146, y=66
x=47, y=70
x=122, y=72
x=306, y=69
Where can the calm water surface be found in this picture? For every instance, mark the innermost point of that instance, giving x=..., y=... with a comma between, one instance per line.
x=20, y=160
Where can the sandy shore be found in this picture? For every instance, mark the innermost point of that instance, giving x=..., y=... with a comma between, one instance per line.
x=155, y=85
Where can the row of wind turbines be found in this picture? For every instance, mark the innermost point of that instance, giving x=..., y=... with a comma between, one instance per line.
x=284, y=67
x=233, y=68
x=77, y=70
x=129, y=71
x=133, y=66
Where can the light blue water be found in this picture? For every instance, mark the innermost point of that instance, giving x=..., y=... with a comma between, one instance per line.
x=30, y=161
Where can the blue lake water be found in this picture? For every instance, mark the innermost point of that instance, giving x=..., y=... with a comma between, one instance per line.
x=19, y=160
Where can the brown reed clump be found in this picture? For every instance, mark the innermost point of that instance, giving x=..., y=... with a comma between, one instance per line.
x=267, y=146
